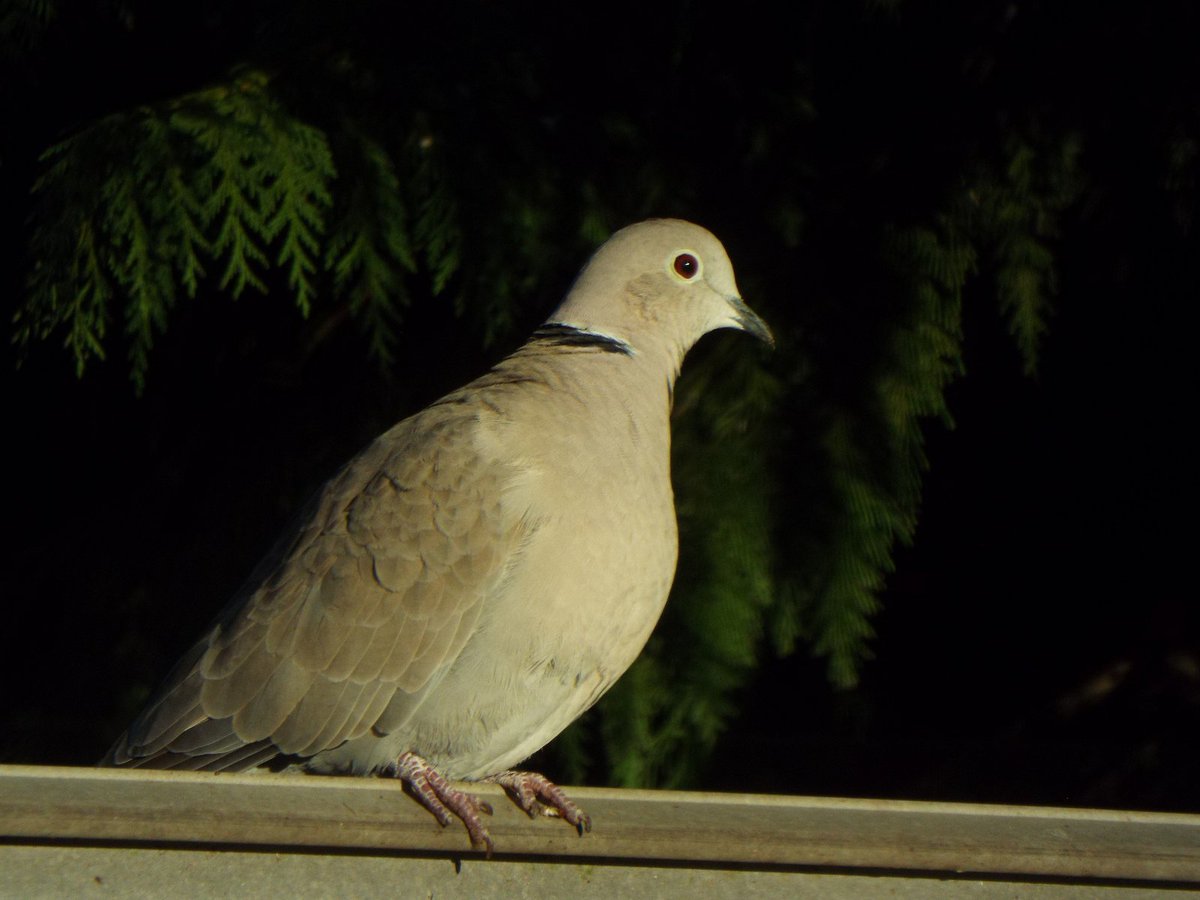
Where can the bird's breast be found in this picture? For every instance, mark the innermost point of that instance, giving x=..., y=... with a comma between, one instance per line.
x=587, y=490
x=589, y=484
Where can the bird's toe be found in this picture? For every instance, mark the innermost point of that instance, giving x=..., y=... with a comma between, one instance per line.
x=538, y=795
x=445, y=802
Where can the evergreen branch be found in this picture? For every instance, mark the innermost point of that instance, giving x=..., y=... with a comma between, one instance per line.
x=436, y=228
x=297, y=192
x=87, y=318
x=220, y=176
x=190, y=240
x=859, y=553
x=1017, y=214
x=144, y=277
x=875, y=456
x=236, y=239
x=225, y=125
x=369, y=245
x=67, y=285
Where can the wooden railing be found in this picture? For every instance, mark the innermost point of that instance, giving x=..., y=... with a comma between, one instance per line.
x=134, y=828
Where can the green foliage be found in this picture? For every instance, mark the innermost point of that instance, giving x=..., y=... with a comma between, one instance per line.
x=874, y=456
x=436, y=228
x=1018, y=214
x=477, y=180
x=134, y=207
x=369, y=246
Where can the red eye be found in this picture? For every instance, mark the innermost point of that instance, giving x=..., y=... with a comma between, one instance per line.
x=686, y=265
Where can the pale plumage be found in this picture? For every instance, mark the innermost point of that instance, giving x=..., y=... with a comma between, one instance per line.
x=482, y=572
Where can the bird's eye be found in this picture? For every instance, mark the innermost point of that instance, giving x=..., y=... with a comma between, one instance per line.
x=686, y=266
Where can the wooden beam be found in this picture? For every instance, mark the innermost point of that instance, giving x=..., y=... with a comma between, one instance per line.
x=42, y=805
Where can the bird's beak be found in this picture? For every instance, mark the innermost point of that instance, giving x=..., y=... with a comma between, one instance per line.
x=747, y=319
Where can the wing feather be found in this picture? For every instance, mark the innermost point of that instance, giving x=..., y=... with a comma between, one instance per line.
x=350, y=624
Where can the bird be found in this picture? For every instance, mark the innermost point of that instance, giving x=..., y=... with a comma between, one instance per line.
x=481, y=573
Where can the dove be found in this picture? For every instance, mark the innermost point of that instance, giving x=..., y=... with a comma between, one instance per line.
x=482, y=572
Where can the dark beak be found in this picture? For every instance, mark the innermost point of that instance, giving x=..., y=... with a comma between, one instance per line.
x=748, y=321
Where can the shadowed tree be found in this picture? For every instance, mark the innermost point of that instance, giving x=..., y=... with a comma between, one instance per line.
x=381, y=215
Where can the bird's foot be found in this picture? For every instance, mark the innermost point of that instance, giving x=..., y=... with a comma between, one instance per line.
x=538, y=795
x=445, y=802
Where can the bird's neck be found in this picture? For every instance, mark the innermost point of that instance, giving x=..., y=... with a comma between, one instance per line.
x=562, y=334
x=600, y=371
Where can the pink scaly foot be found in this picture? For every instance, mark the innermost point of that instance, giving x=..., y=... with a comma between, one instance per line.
x=537, y=794
x=445, y=802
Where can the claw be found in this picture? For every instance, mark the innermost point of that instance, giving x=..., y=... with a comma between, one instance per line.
x=534, y=793
x=444, y=801
x=537, y=794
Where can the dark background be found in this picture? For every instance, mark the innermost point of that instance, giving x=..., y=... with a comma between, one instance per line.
x=1039, y=643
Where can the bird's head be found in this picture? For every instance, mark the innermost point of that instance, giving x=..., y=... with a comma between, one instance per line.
x=662, y=282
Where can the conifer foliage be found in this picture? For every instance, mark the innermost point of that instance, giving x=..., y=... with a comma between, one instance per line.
x=352, y=179
x=137, y=208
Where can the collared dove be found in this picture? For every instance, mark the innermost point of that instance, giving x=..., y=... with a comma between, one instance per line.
x=482, y=572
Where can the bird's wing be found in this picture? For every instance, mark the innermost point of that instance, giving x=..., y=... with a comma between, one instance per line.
x=363, y=611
